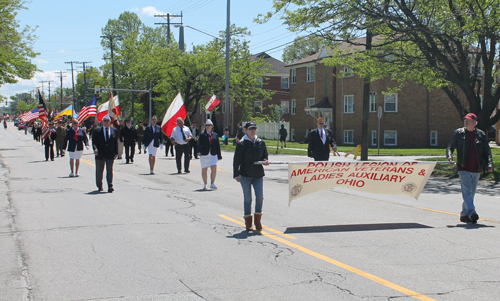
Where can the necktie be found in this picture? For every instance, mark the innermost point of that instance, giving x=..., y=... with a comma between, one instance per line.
x=107, y=134
x=153, y=129
x=321, y=134
x=183, y=135
x=76, y=135
x=210, y=136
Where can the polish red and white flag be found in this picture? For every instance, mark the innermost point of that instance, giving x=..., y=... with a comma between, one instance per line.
x=113, y=110
x=212, y=103
x=175, y=110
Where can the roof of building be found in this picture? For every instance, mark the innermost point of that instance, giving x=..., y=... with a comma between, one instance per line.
x=323, y=104
x=276, y=65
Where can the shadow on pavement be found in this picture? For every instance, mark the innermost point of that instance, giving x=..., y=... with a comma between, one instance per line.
x=470, y=226
x=245, y=234
x=355, y=227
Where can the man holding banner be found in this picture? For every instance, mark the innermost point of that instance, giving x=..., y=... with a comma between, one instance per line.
x=473, y=156
x=320, y=140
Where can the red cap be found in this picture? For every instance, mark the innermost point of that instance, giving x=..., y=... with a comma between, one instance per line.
x=471, y=116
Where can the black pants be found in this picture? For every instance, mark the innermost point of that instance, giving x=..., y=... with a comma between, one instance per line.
x=99, y=170
x=179, y=150
x=193, y=146
x=49, y=151
x=167, y=147
x=129, y=152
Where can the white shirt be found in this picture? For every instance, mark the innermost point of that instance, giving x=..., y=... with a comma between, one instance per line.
x=177, y=135
x=321, y=133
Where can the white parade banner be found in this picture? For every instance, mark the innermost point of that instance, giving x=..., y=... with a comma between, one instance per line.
x=406, y=178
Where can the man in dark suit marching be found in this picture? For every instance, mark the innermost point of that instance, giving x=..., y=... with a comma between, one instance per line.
x=320, y=140
x=129, y=136
x=105, y=146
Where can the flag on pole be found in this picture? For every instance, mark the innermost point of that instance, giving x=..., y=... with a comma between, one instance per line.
x=30, y=115
x=66, y=112
x=175, y=110
x=103, y=109
x=42, y=114
x=88, y=110
x=212, y=103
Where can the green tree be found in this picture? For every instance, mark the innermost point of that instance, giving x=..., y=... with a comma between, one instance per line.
x=452, y=45
x=16, y=45
x=303, y=47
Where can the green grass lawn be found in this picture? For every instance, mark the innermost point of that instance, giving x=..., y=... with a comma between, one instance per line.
x=450, y=171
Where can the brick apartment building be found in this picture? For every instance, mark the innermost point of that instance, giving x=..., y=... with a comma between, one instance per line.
x=414, y=117
x=277, y=82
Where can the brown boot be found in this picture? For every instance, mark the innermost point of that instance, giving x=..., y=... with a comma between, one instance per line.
x=248, y=222
x=258, y=225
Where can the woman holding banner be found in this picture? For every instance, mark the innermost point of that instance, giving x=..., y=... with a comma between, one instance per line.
x=249, y=150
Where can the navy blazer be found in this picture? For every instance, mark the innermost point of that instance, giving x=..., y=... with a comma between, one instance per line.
x=316, y=149
x=206, y=148
x=149, y=136
x=105, y=149
x=75, y=145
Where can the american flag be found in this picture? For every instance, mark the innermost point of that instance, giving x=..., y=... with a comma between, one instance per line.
x=89, y=110
x=30, y=115
x=42, y=114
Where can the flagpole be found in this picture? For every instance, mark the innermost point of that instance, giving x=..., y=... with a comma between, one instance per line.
x=228, y=38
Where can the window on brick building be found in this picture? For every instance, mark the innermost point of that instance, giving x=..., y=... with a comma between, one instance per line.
x=475, y=67
x=391, y=103
x=257, y=107
x=285, y=104
x=309, y=102
x=310, y=74
x=390, y=138
x=294, y=106
x=260, y=84
x=348, y=72
x=284, y=83
x=374, y=138
x=348, y=103
x=292, y=135
x=348, y=136
x=434, y=138
x=294, y=76
x=373, y=102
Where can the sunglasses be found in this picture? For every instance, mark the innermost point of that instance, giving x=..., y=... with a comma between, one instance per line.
x=321, y=123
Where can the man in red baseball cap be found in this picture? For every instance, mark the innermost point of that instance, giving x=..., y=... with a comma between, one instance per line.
x=473, y=156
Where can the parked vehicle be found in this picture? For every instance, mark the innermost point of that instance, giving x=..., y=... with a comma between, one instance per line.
x=21, y=126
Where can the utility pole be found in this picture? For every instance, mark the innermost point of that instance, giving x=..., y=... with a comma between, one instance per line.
x=61, y=76
x=110, y=37
x=85, y=78
x=43, y=81
x=366, y=105
x=168, y=16
x=73, y=81
x=228, y=39
x=49, y=81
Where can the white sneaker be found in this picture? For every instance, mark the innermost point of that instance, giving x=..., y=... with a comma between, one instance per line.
x=152, y=172
x=205, y=187
x=71, y=175
x=213, y=186
x=76, y=175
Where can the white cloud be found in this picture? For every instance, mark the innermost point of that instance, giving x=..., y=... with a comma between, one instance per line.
x=150, y=11
x=29, y=85
x=41, y=61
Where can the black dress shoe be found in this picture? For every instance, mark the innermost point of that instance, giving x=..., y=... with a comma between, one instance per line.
x=179, y=171
x=132, y=160
x=473, y=218
x=127, y=162
x=464, y=219
x=99, y=189
x=111, y=189
x=187, y=171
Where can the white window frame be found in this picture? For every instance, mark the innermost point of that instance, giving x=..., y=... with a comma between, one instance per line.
x=434, y=136
x=310, y=102
x=261, y=83
x=373, y=140
x=292, y=135
x=373, y=102
x=389, y=99
x=258, y=105
x=287, y=83
x=347, y=139
x=285, y=104
x=310, y=74
x=294, y=76
x=348, y=104
x=395, y=137
x=294, y=107
x=347, y=71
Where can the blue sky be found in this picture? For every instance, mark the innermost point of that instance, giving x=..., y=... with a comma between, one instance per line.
x=71, y=30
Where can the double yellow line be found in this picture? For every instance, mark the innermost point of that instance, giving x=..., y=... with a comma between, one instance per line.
x=333, y=261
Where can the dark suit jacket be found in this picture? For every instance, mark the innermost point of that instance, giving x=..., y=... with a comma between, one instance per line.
x=316, y=148
x=105, y=149
x=149, y=136
x=129, y=135
x=206, y=148
x=49, y=140
x=75, y=145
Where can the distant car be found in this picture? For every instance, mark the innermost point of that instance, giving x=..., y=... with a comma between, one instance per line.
x=492, y=133
x=21, y=126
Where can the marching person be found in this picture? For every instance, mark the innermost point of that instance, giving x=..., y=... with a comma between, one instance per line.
x=283, y=133
x=473, y=156
x=152, y=140
x=320, y=140
x=77, y=138
x=129, y=136
x=209, y=153
x=119, y=125
x=105, y=146
x=139, y=128
x=168, y=145
x=240, y=133
x=49, y=142
x=181, y=135
x=60, y=136
x=193, y=146
x=249, y=150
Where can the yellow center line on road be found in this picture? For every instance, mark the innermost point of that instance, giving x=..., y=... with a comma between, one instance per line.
x=274, y=231
x=90, y=163
x=456, y=214
x=340, y=264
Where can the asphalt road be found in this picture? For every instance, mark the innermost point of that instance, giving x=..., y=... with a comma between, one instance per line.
x=160, y=237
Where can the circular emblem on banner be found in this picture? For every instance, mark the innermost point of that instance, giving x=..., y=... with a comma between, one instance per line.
x=296, y=190
x=409, y=187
